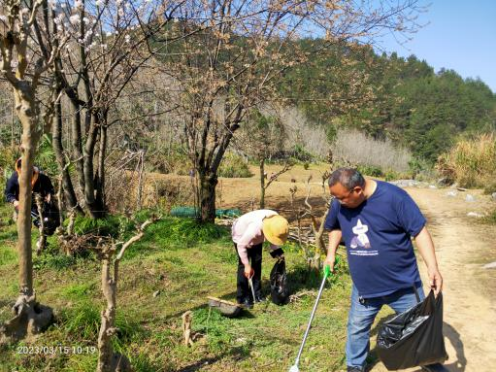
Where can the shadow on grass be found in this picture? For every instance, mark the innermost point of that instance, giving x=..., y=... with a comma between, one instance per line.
x=177, y=314
x=6, y=303
x=237, y=353
x=303, y=278
x=200, y=364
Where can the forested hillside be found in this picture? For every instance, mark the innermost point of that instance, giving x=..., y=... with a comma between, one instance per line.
x=391, y=97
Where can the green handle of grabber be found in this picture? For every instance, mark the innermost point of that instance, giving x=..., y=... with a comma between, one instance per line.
x=327, y=268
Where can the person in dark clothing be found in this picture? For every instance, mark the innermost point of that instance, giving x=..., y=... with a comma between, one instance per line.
x=40, y=182
x=378, y=221
x=41, y=185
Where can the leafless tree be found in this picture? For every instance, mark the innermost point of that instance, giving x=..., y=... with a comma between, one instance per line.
x=262, y=136
x=311, y=240
x=108, y=360
x=27, y=56
x=110, y=43
x=234, y=64
x=316, y=225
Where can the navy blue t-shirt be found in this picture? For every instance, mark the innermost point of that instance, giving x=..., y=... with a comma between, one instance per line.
x=378, y=240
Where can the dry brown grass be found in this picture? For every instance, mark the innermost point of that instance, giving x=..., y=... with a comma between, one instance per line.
x=355, y=147
x=168, y=190
x=474, y=161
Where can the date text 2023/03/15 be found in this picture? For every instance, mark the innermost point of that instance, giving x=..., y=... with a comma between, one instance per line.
x=59, y=349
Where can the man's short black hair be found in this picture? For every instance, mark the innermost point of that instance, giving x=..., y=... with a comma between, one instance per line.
x=348, y=177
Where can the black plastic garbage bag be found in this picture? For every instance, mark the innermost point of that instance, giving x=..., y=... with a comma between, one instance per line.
x=51, y=218
x=415, y=337
x=279, y=291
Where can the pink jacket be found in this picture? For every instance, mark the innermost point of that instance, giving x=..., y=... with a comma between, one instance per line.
x=247, y=232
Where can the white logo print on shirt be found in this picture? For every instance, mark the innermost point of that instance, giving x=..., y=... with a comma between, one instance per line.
x=361, y=239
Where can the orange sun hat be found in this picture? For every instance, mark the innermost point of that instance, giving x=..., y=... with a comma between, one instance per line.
x=275, y=229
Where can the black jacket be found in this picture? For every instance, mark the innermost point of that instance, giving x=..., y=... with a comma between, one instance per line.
x=42, y=186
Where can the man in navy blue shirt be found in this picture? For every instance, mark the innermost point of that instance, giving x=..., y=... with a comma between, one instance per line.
x=377, y=220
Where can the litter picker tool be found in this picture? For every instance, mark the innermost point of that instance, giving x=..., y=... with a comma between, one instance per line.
x=327, y=273
x=250, y=282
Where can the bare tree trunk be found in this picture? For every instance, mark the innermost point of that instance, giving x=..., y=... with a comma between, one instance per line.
x=318, y=229
x=100, y=176
x=187, y=319
x=108, y=361
x=208, y=167
x=24, y=217
x=262, y=183
x=72, y=221
x=29, y=316
x=107, y=329
x=60, y=205
x=208, y=182
x=13, y=123
x=77, y=141
x=141, y=170
x=319, y=233
x=41, y=243
x=69, y=193
x=89, y=188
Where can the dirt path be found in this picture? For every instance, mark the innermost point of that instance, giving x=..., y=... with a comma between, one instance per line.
x=463, y=247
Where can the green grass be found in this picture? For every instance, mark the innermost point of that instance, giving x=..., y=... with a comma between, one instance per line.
x=8, y=255
x=55, y=262
x=78, y=290
x=184, y=263
x=81, y=320
x=491, y=219
x=8, y=231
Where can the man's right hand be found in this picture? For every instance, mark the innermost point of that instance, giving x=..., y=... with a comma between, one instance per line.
x=329, y=261
x=16, y=204
x=249, y=272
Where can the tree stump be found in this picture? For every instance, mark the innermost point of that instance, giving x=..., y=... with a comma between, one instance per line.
x=30, y=318
x=187, y=319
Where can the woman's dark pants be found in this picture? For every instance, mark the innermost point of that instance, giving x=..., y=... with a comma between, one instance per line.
x=243, y=288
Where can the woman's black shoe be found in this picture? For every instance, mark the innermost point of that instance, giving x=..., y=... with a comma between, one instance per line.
x=246, y=303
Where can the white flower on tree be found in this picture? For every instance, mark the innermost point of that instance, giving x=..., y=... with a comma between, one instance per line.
x=75, y=19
